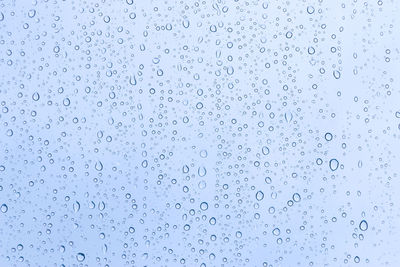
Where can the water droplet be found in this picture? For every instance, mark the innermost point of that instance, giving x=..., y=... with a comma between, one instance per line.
x=203, y=153
x=66, y=102
x=185, y=169
x=336, y=74
x=202, y=171
x=296, y=197
x=36, y=96
x=202, y=184
x=265, y=150
x=80, y=257
x=98, y=166
x=276, y=231
x=76, y=206
x=363, y=225
x=204, y=206
x=212, y=221
x=3, y=208
x=259, y=195
x=328, y=137
x=333, y=164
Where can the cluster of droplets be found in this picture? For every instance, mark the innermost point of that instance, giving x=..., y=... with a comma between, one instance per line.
x=205, y=133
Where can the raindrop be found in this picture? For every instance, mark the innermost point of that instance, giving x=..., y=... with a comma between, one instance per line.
x=363, y=225
x=3, y=208
x=265, y=150
x=98, y=166
x=36, y=96
x=333, y=164
x=259, y=195
x=202, y=171
x=80, y=257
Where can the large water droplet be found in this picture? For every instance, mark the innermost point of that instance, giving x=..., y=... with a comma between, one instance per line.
x=3, y=208
x=333, y=164
x=98, y=166
x=80, y=257
x=363, y=225
x=259, y=195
